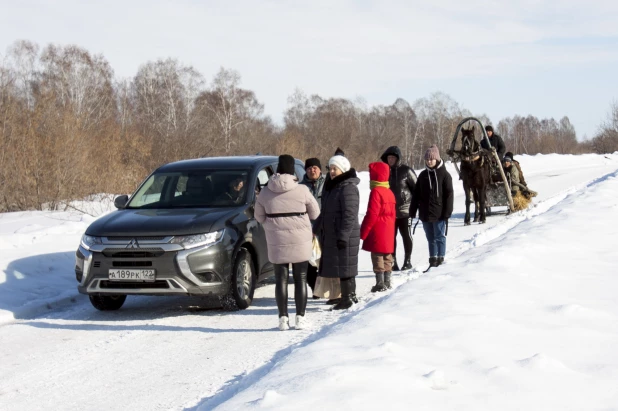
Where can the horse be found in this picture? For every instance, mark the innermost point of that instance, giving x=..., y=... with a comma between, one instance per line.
x=475, y=174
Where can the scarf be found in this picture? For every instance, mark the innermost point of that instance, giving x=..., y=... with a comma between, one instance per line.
x=374, y=184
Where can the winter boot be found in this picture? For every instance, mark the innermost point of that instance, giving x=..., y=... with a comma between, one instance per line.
x=395, y=265
x=407, y=265
x=284, y=323
x=440, y=260
x=387, y=280
x=301, y=322
x=348, y=294
x=333, y=301
x=433, y=261
x=379, y=283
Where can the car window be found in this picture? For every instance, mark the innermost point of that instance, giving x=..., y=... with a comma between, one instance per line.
x=192, y=188
x=262, y=179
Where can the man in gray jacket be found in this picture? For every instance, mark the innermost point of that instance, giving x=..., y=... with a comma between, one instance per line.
x=314, y=180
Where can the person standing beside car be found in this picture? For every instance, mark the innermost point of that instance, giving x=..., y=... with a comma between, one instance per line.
x=402, y=181
x=314, y=181
x=285, y=209
x=339, y=228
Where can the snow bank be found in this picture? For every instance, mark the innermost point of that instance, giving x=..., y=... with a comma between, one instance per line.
x=528, y=320
x=37, y=256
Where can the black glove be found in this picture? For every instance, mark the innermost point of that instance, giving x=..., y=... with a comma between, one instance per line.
x=341, y=244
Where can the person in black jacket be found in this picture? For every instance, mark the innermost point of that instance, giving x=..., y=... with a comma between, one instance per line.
x=339, y=229
x=402, y=182
x=495, y=140
x=433, y=198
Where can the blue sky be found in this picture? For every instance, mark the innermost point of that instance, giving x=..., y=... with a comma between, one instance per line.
x=500, y=58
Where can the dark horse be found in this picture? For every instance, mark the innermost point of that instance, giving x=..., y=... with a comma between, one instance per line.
x=475, y=174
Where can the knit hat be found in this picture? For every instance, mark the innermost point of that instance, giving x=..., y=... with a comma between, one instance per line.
x=340, y=162
x=507, y=158
x=489, y=128
x=509, y=154
x=339, y=152
x=286, y=164
x=432, y=153
x=310, y=162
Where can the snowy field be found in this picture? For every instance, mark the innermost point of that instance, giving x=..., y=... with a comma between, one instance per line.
x=523, y=315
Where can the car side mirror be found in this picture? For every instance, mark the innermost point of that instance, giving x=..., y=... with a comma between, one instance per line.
x=121, y=201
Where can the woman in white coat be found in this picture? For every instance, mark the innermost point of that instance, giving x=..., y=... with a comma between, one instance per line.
x=285, y=209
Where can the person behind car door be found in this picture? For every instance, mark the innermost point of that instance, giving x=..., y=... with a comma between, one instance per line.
x=402, y=182
x=314, y=180
x=285, y=209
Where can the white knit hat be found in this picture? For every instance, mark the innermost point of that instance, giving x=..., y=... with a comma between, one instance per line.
x=340, y=162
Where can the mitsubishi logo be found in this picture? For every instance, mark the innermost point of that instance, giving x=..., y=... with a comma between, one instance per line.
x=133, y=244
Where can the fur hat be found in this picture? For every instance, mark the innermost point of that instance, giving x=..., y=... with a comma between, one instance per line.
x=310, y=162
x=489, y=128
x=286, y=164
x=340, y=162
x=432, y=153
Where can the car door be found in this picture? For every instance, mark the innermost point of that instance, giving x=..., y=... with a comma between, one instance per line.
x=258, y=234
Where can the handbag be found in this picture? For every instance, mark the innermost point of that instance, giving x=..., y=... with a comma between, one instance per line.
x=316, y=253
x=327, y=288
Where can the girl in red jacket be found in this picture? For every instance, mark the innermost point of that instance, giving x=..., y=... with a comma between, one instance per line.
x=378, y=228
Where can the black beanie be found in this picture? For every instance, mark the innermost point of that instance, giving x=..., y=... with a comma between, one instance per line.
x=339, y=152
x=310, y=162
x=489, y=128
x=286, y=164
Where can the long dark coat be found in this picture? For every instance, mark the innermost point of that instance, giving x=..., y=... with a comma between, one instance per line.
x=338, y=221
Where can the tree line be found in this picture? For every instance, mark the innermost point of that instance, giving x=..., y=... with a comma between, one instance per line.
x=69, y=128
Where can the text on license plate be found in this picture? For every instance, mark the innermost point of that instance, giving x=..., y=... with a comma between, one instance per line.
x=124, y=274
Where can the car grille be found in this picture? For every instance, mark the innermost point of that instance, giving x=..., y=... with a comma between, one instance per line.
x=158, y=284
x=133, y=253
x=135, y=238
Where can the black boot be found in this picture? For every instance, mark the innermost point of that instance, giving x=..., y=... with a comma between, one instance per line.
x=379, y=283
x=433, y=261
x=387, y=280
x=407, y=265
x=440, y=260
x=333, y=301
x=348, y=294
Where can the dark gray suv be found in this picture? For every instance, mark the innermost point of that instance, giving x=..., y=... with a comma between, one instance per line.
x=187, y=230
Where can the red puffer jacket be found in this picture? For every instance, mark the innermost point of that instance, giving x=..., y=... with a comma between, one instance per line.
x=378, y=228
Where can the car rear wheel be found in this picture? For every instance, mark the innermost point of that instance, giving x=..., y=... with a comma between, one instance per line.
x=107, y=302
x=243, y=279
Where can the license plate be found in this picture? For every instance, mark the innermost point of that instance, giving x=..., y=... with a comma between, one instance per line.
x=125, y=274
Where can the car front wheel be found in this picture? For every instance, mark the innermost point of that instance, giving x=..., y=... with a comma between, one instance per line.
x=243, y=279
x=107, y=302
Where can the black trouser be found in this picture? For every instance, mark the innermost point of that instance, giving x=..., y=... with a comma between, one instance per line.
x=312, y=276
x=401, y=225
x=282, y=272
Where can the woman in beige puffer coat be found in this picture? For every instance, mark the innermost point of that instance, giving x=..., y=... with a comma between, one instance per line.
x=285, y=209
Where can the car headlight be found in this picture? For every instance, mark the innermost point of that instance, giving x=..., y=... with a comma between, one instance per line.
x=197, y=240
x=88, y=241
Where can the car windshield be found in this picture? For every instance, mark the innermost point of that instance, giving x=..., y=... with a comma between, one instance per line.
x=192, y=188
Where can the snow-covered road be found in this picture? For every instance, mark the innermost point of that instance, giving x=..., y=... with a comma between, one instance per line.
x=58, y=352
